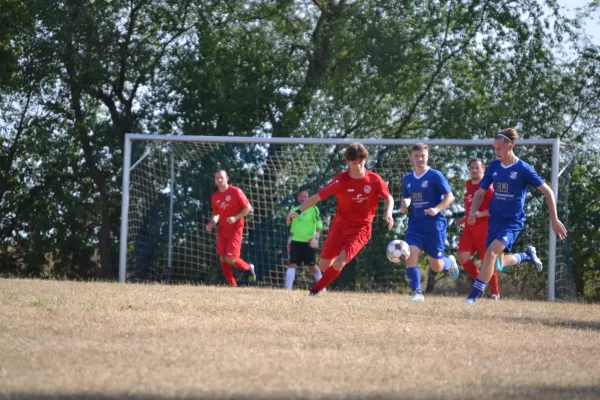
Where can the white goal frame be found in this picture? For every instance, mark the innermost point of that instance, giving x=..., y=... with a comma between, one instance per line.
x=131, y=137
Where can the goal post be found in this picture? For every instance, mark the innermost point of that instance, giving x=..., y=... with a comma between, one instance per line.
x=167, y=183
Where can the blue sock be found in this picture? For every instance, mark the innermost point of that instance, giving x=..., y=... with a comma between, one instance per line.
x=414, y=278
x=522, y=257
x=447, y=263
x=478, y=288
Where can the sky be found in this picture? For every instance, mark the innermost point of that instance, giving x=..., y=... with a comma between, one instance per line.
x=592, y=28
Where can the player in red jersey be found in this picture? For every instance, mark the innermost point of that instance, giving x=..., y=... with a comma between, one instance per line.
x=473, y=236
x=230, y=206
x=357, y=191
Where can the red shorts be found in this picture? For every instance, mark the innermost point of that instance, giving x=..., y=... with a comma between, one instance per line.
x=342, y=236
x=471, y=241
x=229, y=243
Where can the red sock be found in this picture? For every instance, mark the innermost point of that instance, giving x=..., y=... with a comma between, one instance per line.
x=493, y=284
x=241, y=264
x=328, y=276
x=471, y=269
x=228, y=273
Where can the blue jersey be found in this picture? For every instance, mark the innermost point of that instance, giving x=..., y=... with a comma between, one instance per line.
x=425, y=192
x=510, y=187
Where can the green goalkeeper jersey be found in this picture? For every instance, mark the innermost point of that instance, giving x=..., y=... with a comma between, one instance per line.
x=305, y=226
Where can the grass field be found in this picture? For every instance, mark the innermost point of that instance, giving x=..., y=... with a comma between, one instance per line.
x=70, y=340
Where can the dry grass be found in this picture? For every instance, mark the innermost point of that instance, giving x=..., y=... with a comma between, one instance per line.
x=100, y=340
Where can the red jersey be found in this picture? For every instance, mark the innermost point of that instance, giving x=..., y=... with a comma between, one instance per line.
x=471, y=188
x=228, y=204
x=357, y=198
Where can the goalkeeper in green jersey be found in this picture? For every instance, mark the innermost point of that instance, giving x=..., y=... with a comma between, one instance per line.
x=304, y=239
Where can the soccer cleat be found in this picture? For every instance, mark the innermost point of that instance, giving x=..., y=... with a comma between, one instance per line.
x=313, y=292
x=537, y=263
x=453, y=272
x=417, y=296
x=494, y=297
x=470, y=300
x=251, y=274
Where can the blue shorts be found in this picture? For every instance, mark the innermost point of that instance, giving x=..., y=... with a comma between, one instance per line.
x=432, y=243
x=506, y=235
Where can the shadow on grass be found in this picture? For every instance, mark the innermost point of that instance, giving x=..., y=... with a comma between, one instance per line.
x=555, y=323
x=538, y=393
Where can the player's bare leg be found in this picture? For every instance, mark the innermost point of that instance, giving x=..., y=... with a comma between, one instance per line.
x=529, y=255
x=448, y=264
x=332, y=269
x=494, y=250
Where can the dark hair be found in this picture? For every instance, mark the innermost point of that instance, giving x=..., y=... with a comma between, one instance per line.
x=509, y=135
x=356, y=151
x=419, y=147
x=479, y=160
x=300, y=190
x=224, y=171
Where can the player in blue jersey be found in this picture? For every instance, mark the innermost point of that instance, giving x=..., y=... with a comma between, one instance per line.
x=510, y=176
x=427, y=190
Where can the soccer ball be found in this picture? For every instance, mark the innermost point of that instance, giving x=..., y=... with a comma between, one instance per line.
x=397, y=251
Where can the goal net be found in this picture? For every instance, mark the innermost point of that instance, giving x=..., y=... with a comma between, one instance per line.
x=169, y=181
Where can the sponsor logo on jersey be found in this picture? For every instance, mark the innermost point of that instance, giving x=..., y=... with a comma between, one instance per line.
x=502, y=187
x=359, y=198
x=351, y=190
x=417, y=196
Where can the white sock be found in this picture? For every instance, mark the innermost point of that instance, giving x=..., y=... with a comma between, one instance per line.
x=317, y=275
x=290, y=275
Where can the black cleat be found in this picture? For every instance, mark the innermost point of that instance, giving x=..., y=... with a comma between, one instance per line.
x=313, y=292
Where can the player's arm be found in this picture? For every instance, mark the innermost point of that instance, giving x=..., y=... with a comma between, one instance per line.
x=477, y=199
x=311, y=201
x=557, y=226
x=247, y=209
x=482, y=214
x=213, y=221
x=405, y=199
x=389, y=207
x=446, y=201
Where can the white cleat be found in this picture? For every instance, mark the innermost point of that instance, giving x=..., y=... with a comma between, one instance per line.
x=453, y=272
x=417, y=296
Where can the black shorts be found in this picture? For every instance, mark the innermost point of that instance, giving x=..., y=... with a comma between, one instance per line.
x=302, y=253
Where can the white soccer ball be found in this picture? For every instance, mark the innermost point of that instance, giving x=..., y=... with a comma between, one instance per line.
x=397, y=251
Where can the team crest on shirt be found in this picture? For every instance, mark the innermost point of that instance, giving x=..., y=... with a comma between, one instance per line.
x=227, y=198
x=513, y=175
x=424, y=184
x=367, y=189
